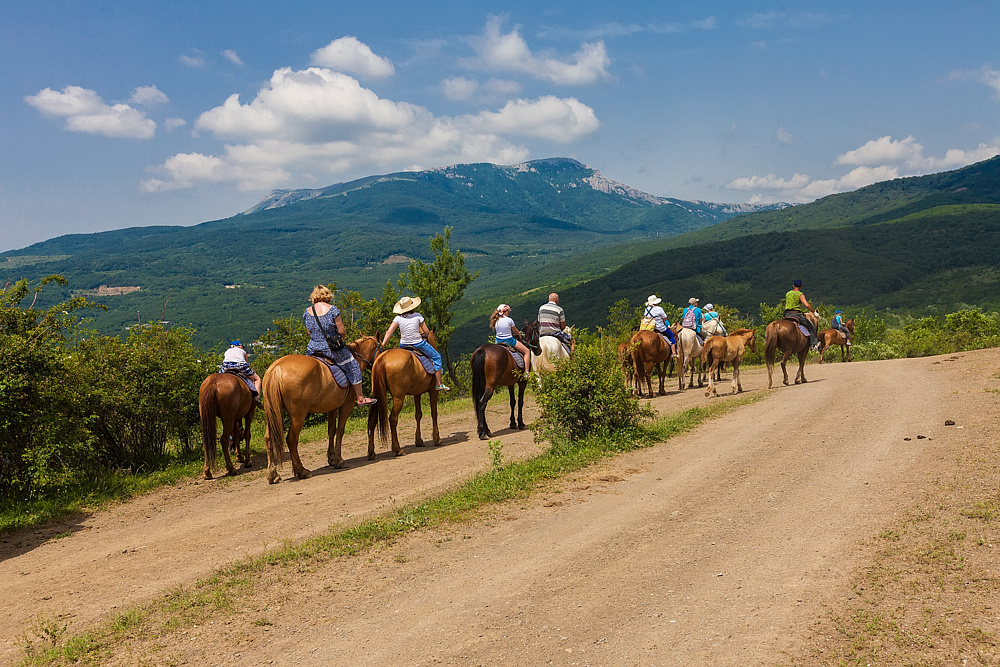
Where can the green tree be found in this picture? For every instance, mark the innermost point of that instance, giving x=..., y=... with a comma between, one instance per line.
x=440, y=285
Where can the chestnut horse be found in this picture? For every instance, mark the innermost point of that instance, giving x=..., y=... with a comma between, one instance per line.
x=731, y=348
x=649, y=349
x=784, y=335
x=830, y=337
x=227, y=397
x=298, y=384
x=492, y=367
x=400, y=373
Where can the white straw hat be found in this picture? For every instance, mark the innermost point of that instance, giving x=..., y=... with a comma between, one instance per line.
x=653, y=300
x=406, y=304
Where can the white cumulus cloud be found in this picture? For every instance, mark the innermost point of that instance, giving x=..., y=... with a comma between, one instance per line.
x=499, y=51
x=85, y=111
x=350, y=55
x=882, y=150
x=459, y=88
x=317, y=122
x=148, y=96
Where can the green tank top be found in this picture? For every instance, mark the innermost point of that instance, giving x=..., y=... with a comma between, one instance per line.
x=792, y=301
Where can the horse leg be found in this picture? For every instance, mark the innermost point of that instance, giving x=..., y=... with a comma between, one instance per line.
x=649, y=378
x=521, y=386
x=335, y=425
x=294, y=428
x=737, y=385
x=711, y=378
x=784, y=370
x=434, y=417
x=484, y=429
x=228, y=436
x=513, y=404
x=397, y=405
x=661, y=371
x=418, y=413
x=801, y=377
x=842, y=348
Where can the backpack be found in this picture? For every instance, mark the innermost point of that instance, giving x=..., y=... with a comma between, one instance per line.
x=647, y=323
x=689, y=321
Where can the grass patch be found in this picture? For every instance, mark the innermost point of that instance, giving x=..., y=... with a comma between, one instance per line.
x=221, y=592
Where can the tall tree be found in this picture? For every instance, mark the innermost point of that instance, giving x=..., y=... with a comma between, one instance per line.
x=440, y=285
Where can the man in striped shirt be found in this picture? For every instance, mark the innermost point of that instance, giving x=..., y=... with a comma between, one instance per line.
x=552, y=321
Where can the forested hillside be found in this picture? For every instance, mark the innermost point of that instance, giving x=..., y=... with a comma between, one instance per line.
x=234, y=276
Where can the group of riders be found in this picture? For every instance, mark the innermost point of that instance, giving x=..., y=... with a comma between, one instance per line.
x=326, y=332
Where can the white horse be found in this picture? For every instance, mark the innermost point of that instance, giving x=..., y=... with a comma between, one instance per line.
x=689, y=351
x=713, y=327
x=553, y=351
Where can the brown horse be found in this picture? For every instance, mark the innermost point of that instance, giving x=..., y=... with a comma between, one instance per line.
x=830, y=337
x=298, y=384
x=719, y=349
x=784, y=335
x=649, y=349
x=492, y=367
x=227, y=397
x=400, y=373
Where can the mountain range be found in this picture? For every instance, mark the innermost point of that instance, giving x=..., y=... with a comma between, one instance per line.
x=908, y=247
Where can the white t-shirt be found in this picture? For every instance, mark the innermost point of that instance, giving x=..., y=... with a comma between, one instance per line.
x=659, y=315
x=504, y=325
x=409, y=328
x=237, y=354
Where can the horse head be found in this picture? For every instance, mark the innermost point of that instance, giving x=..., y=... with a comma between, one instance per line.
x=365, y=349
x=529, y=336
x=850, y=325
x=432, y=337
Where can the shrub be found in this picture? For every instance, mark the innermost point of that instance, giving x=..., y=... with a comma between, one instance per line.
x=587, y=396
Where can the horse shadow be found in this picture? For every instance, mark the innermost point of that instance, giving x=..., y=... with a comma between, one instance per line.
x=24, y=541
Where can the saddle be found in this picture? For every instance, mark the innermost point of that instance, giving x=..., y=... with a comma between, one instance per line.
x=247, y=381
x=424, y=360
x=556, y=336
x=339, y=376
x=517, y=357
x=802, y=329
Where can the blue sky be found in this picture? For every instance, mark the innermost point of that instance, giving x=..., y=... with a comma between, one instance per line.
x=118, y=114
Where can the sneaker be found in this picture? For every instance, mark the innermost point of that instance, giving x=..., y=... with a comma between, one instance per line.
x=442, y=387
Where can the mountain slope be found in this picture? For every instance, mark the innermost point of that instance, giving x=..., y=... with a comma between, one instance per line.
x=234, y=276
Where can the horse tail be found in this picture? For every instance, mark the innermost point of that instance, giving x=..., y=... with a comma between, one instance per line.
x=273, y=404
x=638, y=362
x=478, y=377
x=208, y=407
x=770, y=343
x=378, y=414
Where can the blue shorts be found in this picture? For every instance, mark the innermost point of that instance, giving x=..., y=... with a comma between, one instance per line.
x=509, y=342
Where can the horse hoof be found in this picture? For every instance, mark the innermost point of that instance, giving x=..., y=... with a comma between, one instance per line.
x=273, y=477
x=373, y=457
x=521, y=427
x=400, y=453
x=231, y=472
x=419, y=444
x=248, y=464
x=337, y=465
x=208, y=474
x=304, y=474
x=483, y=436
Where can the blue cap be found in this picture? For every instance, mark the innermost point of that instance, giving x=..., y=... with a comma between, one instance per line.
x=838, y=312
x=797, y=283
x=235, y=343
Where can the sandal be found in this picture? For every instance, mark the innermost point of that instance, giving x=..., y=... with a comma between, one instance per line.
x=365, y=402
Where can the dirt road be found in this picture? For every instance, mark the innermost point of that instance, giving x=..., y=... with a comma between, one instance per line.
x=722, y=546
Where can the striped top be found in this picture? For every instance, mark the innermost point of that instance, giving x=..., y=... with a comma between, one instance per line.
x=550, y=318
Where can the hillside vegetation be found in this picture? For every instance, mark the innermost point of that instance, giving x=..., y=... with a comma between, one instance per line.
x=234, y=276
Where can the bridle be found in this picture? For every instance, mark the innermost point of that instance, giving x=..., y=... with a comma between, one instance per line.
x=369, y=362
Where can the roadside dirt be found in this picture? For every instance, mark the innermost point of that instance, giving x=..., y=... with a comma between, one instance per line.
x=725, y=546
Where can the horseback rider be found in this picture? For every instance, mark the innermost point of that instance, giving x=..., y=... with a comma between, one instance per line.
x=661, y=324
x=412, y=332
x=502, y=323
x=710, y=314
x=236, y=360
x=693, y=318
x=320, y=319
x=839, y=324
x=796, y=306
x=552, y=322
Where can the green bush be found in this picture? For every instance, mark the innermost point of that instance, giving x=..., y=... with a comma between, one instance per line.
x=587, y=396
x=140, y=393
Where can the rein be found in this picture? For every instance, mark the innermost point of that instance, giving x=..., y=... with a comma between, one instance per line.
x=357, y=356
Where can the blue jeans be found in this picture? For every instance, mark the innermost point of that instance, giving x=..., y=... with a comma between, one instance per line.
x=429, y=352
